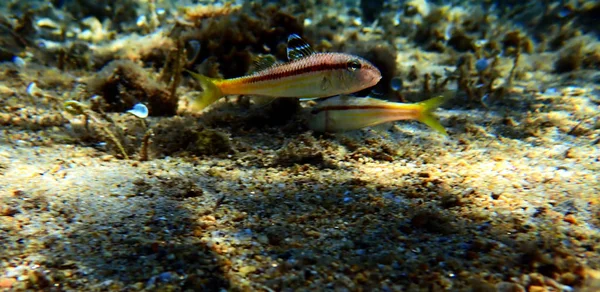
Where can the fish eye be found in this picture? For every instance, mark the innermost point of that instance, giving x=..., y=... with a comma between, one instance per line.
x=353, y=65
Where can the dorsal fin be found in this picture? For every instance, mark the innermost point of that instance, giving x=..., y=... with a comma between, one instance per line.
x=262, y=62
x=297, y=48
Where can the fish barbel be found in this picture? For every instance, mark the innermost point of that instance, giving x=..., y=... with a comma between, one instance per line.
x=306, y=75
x=345, y=113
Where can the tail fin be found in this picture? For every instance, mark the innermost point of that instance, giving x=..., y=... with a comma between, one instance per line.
x=427, y=116
x=210, y=92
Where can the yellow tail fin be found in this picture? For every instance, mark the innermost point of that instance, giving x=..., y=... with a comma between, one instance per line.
x=427, y=116
x=210, y=92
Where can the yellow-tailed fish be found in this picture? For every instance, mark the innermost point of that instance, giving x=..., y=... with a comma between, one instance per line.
x=306, y=75
x=345, y=113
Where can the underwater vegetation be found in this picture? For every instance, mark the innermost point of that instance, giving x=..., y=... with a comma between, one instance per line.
x=400, y=145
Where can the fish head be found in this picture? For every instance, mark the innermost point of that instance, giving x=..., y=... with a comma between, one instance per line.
x=357, y=73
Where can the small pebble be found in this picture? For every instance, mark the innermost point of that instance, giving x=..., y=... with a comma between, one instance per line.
x=5, y=90
x=7, y=211
x=481, y=43
x=482, y=64
x=165, y=277
x=570, y=219
x=141, y=21
x=139, y=110
x=537, y=289
x=396, y=83
x=33, y=90
x=564, y=12
x=47, y=23
x=7, y=283
x=509, y=287
x=247, y=270
x=19, y=62
x=568, y=278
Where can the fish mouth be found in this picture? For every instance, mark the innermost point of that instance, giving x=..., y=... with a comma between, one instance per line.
x=375, y=79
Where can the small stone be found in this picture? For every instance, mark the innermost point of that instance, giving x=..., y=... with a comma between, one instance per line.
x=7, y=211
x=6, y=91
x=139, y=110
x=33, y=90
x=482, y=64
x=239, y=216
x=7, y=283
x=138, y=286
x=165, y=277
x=496, y=196
x=313, y=233
x=571, y=153
x=247, y=270
x=570, y=219
x=396, y=84
x=537, y=289
x=17, y=193
x=207, y=221
x=509, y=287
x=424, y=174
x=106, y=158
x=262, y=239
x=361, y=278
x=19, y=62
x=38, y=279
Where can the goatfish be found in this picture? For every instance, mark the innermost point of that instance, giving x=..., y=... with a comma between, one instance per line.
x=345, y=113
x=306, y=75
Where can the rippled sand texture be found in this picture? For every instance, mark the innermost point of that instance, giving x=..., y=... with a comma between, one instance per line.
x=244, y=197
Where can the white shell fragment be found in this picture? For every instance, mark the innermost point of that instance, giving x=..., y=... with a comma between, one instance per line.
x=19, y=62
x=139, y=110
x=141, y=21
x=33, y=90
x=47, y=23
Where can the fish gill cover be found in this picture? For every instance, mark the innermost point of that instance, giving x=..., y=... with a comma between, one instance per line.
x=110, y=178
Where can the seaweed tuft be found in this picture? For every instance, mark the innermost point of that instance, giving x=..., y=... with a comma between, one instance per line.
x=123, y=83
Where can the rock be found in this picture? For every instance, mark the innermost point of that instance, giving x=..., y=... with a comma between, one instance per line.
x=247, y=270
x=537, y=289
x=7, y=211
x=38, y=279
x=570, y=219
x=7, y=283
x=509, y=287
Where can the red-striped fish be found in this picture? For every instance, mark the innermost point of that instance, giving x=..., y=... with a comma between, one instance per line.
x=306, y=75
x=344, y=113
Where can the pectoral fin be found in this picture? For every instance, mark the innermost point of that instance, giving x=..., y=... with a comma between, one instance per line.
x=325, y=83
